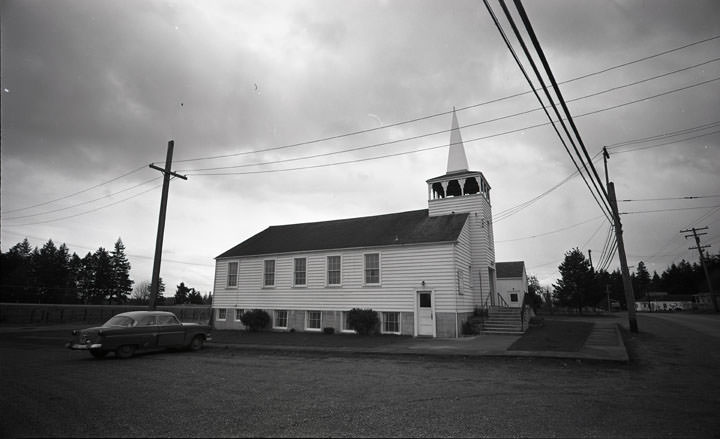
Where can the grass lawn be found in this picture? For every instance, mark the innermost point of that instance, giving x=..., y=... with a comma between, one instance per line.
x=554, y=335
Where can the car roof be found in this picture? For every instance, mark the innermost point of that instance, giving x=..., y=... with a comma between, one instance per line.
x=140, y=314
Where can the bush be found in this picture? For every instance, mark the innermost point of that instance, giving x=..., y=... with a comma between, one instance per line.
x=363, y=321
x=329, y=330
x=255, y=320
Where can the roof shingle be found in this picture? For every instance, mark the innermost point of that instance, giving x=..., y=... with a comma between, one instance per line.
x=413, y=227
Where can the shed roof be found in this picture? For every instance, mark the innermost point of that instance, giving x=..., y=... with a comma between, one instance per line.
x=412, y=227
x=509, y=269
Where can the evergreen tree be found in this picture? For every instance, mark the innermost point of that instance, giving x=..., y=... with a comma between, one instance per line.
x=16, y=274
x=642, y=280
x=576, y=280
x=194, y=297
x=121, y=274
x=181, y=294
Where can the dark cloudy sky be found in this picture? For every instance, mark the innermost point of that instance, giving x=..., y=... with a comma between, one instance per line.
x=92, y=90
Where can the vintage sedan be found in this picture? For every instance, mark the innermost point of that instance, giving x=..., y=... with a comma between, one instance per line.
x=133, y=331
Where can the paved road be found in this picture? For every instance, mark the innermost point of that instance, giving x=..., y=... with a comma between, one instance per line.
x=708, y=324
x=672, y=388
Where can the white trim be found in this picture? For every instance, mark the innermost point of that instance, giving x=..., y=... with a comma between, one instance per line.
x=237, y=275
x=296, y=285
x=262, y=276
x=382, y=322
x=327, y=271
x=274, y=318
x=307, y=320
x=432, y=308
x=364, y=269
x=237, y=317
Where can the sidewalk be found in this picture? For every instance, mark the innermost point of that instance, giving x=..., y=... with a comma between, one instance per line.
x=604, y=344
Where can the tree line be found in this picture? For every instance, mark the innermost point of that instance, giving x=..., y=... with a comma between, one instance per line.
x=581, y=286
x=51, y=274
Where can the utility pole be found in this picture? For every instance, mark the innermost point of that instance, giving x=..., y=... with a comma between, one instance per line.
x=590, y=257
x=702, y=261
x=155, y=286
x=627, y=284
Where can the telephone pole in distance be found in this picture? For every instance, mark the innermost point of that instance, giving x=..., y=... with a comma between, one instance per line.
x=155, y=285
x=699, y=248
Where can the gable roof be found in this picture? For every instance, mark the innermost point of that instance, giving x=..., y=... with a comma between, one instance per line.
x=413, y=227
x=509, y=269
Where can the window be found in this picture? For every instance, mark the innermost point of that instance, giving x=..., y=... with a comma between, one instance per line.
x=372, y=268
x=391, y=322
x=513, y=297
x=232, y=274
x=280, y=320
x=313, y=320
x=269, y=273
x=300, y=278
x=333, y=270
x=222, y=314
x=238, y=314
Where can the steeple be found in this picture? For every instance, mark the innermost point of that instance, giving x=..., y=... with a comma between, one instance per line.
x=457, y=161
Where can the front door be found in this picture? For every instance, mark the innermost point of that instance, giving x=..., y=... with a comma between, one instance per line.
x=426, y=320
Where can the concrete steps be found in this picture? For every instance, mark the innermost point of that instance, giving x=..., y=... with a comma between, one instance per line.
x=503, y=321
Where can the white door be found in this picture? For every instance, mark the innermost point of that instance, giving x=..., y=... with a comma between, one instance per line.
x=426, y=320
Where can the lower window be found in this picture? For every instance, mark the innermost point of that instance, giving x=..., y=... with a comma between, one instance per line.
x=391, y=322
x=280, y=320
x=345, y=326
x=313, y=320
x=222, y=314
x=238, y=314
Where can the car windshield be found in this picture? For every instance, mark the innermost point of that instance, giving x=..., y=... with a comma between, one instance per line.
x=124, y=321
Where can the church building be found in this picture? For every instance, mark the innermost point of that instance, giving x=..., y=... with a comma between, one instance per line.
x=423, y=271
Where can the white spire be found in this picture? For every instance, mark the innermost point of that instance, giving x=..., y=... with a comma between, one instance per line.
x=456, y=155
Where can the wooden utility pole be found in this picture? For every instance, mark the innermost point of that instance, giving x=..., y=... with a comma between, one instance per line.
x=627, y=284
x=155, y=286
x=702, y=261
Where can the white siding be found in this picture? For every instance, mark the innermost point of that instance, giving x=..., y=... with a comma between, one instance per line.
x=402, y=270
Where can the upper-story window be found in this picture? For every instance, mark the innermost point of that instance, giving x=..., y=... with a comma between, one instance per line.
x=372, y=268
x=300, y=272
x=232, y=275
x=333, y=270
x=269, y=273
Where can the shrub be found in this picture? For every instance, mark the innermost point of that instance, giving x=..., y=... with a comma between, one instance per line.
x=363, y=321
x=255, y=320
x=329, y=330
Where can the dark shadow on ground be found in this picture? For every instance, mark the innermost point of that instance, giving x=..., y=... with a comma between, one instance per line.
x=554, y=335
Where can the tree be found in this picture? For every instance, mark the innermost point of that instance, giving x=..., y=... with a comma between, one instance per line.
x=534, y=297
x=121, y=274
x=15, y=273
x=194, y=297
x=141, y=293
x=160, y=299
x=181, y=294
x=576, y=280
x=642, y=279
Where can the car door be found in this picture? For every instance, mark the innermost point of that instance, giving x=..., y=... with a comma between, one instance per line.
x=170, y=332
x=141, y=334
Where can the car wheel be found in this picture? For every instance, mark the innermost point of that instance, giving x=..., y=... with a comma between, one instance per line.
x=98, y=353
x=197, y=343
x=125, y=351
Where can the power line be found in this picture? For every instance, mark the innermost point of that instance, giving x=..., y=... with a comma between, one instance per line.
x=444, y=113
x=551, y=232
x=669, y=210
x=76, y=193
x=690, y=197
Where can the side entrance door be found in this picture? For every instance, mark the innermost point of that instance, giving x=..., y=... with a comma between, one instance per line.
x=426, y=319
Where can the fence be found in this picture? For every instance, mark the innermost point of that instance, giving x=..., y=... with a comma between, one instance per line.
x=33, y=313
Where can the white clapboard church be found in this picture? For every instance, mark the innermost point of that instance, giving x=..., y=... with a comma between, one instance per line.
x=423, y=271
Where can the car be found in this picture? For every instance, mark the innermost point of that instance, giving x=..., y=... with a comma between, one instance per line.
x=129, y=332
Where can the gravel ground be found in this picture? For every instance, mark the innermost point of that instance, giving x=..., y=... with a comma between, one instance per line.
x=672, y=388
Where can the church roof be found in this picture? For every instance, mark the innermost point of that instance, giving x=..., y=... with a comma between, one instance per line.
x=509, y=269
x=413, y=227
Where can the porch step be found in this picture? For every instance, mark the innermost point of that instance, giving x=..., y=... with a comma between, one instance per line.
x=503, y=321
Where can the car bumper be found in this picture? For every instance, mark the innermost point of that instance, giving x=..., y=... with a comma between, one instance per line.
x=85, y=347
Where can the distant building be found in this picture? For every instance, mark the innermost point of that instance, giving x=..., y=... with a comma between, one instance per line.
x=658, y=301
x=423, y=271
x=512, y=284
